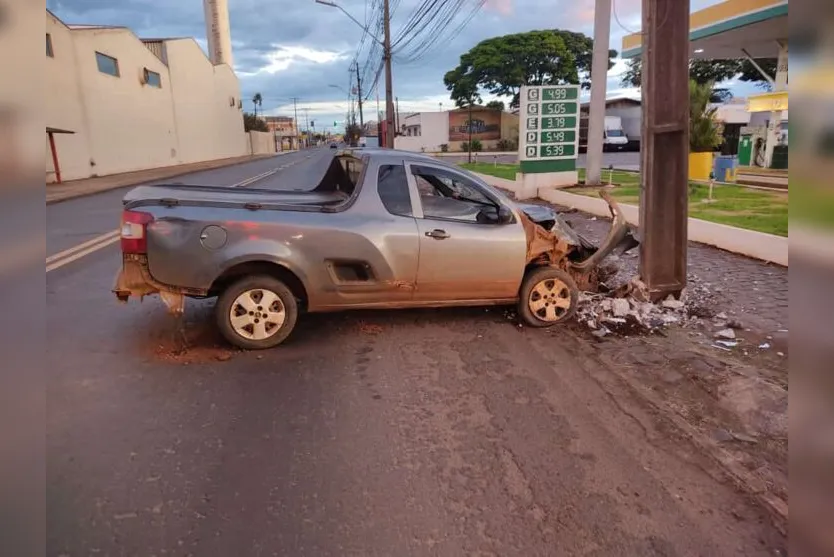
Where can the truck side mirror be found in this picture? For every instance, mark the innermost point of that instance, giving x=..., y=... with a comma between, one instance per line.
x=505, y=215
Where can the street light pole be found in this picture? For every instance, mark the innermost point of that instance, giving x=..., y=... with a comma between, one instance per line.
x=386, y=57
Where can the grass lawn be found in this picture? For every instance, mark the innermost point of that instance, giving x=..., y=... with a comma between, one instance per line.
x=506, y=171
x=759, y=210
x=813, y=204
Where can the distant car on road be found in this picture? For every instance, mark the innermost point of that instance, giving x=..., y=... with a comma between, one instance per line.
x=382, y=229
x=334, y=146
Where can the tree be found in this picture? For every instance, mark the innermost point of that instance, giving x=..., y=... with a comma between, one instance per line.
x=501, y=65
x=495, y=105
x=465, y=94
x=704, y=129
x=712, y=71
x=352, y=133
x=257, y=101
x=253, y=123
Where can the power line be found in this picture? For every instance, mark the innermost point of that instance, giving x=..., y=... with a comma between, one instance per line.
x=436, y=37
x=617, y=19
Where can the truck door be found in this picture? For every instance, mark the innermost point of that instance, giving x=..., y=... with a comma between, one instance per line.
x=462, y=256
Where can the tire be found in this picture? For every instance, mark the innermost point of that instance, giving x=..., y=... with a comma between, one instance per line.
x=558, y=290
x=265, y=333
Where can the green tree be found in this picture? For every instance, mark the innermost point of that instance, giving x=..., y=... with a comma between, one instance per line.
x=501, y=65
x=253, y=123
x=495, y=105
x=704, y=129
x=712, y=71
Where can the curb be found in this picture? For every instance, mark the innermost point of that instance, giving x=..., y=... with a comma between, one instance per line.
x=750, y=243
x=138, y=181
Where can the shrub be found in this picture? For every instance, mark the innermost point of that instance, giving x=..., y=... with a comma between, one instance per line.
x=477, y=145
x=506, y=145
x=464, y=146
x=444, y=147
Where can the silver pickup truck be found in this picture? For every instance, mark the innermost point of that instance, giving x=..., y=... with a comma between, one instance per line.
x=382, y=229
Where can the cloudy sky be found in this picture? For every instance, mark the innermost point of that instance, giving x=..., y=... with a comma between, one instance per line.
x=286, y=49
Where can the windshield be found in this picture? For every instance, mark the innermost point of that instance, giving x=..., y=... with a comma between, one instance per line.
x=614, y=133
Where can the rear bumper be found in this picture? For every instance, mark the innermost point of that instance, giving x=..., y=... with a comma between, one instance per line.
x=133, y=279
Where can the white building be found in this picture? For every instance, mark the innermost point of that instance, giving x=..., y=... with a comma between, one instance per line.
x=117, y=103
x=423, y=131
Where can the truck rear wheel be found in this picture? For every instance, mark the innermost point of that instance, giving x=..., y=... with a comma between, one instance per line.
x=256, y=312
x=548, y=296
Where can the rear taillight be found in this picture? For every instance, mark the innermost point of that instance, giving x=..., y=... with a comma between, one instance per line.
x=134, y=231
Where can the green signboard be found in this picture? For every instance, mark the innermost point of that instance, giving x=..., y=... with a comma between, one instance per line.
x=550, y=128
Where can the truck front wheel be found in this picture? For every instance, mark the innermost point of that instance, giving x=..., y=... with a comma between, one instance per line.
x=256, y=312
x=548, y=296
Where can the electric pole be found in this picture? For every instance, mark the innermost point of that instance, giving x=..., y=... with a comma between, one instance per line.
x=307, y=124
x=295, y=110
x=599, y=72
x=389, y=86
x=359, y=96
x=664, y=146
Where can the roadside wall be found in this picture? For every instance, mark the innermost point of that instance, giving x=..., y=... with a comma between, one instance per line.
x=260, y=143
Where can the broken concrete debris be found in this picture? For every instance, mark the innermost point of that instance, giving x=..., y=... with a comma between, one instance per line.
x=626, y=309
x=620, y=307
x=725, y=333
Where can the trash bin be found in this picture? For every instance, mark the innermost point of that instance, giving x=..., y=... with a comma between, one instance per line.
x=724, y=168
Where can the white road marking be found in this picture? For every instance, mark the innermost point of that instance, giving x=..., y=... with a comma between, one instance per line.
x=58, y=260
x=88, y=243
x=74, y=253
x=254, y=179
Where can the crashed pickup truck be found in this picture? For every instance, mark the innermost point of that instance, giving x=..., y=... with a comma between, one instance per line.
x=382, y=229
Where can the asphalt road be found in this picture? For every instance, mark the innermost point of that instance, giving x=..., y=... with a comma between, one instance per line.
x=447, y=433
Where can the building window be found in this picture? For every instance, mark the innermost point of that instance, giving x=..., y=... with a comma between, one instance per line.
x=107, y=64
x=153, y=79
x=49, y=51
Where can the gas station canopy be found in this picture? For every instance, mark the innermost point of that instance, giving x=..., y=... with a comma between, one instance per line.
x=726, y=30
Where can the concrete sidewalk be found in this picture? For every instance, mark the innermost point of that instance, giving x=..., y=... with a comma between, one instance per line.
x=89, y=186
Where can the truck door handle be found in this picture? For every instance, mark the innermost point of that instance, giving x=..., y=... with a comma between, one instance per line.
x=437, y=234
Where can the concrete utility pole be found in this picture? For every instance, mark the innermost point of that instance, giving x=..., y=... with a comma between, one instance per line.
x=359, y=96
x=389, y=85
x=599, y=79
x=664, y=146
x=386, y=57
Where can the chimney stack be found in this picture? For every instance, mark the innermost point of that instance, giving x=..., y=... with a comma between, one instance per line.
x=218, y=31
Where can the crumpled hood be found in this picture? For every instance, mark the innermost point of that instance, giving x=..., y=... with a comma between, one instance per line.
x=547, y=217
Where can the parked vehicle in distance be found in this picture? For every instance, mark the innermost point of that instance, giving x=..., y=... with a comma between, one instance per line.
x=382, y=229
x=614, y=137
x=333, y=145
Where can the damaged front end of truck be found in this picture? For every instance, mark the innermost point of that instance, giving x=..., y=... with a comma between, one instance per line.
x=552, y=241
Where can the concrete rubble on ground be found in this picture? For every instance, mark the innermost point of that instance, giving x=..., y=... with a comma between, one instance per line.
x=626, y=309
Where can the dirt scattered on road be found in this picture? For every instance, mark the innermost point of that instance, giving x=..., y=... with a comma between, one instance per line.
x=197, y=343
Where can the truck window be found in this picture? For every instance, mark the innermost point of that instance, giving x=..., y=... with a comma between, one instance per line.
x=392, y=185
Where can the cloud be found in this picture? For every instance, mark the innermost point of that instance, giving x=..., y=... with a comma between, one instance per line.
x=287, y=50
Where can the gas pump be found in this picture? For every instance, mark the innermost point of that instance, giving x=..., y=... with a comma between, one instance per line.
x=751, y=146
